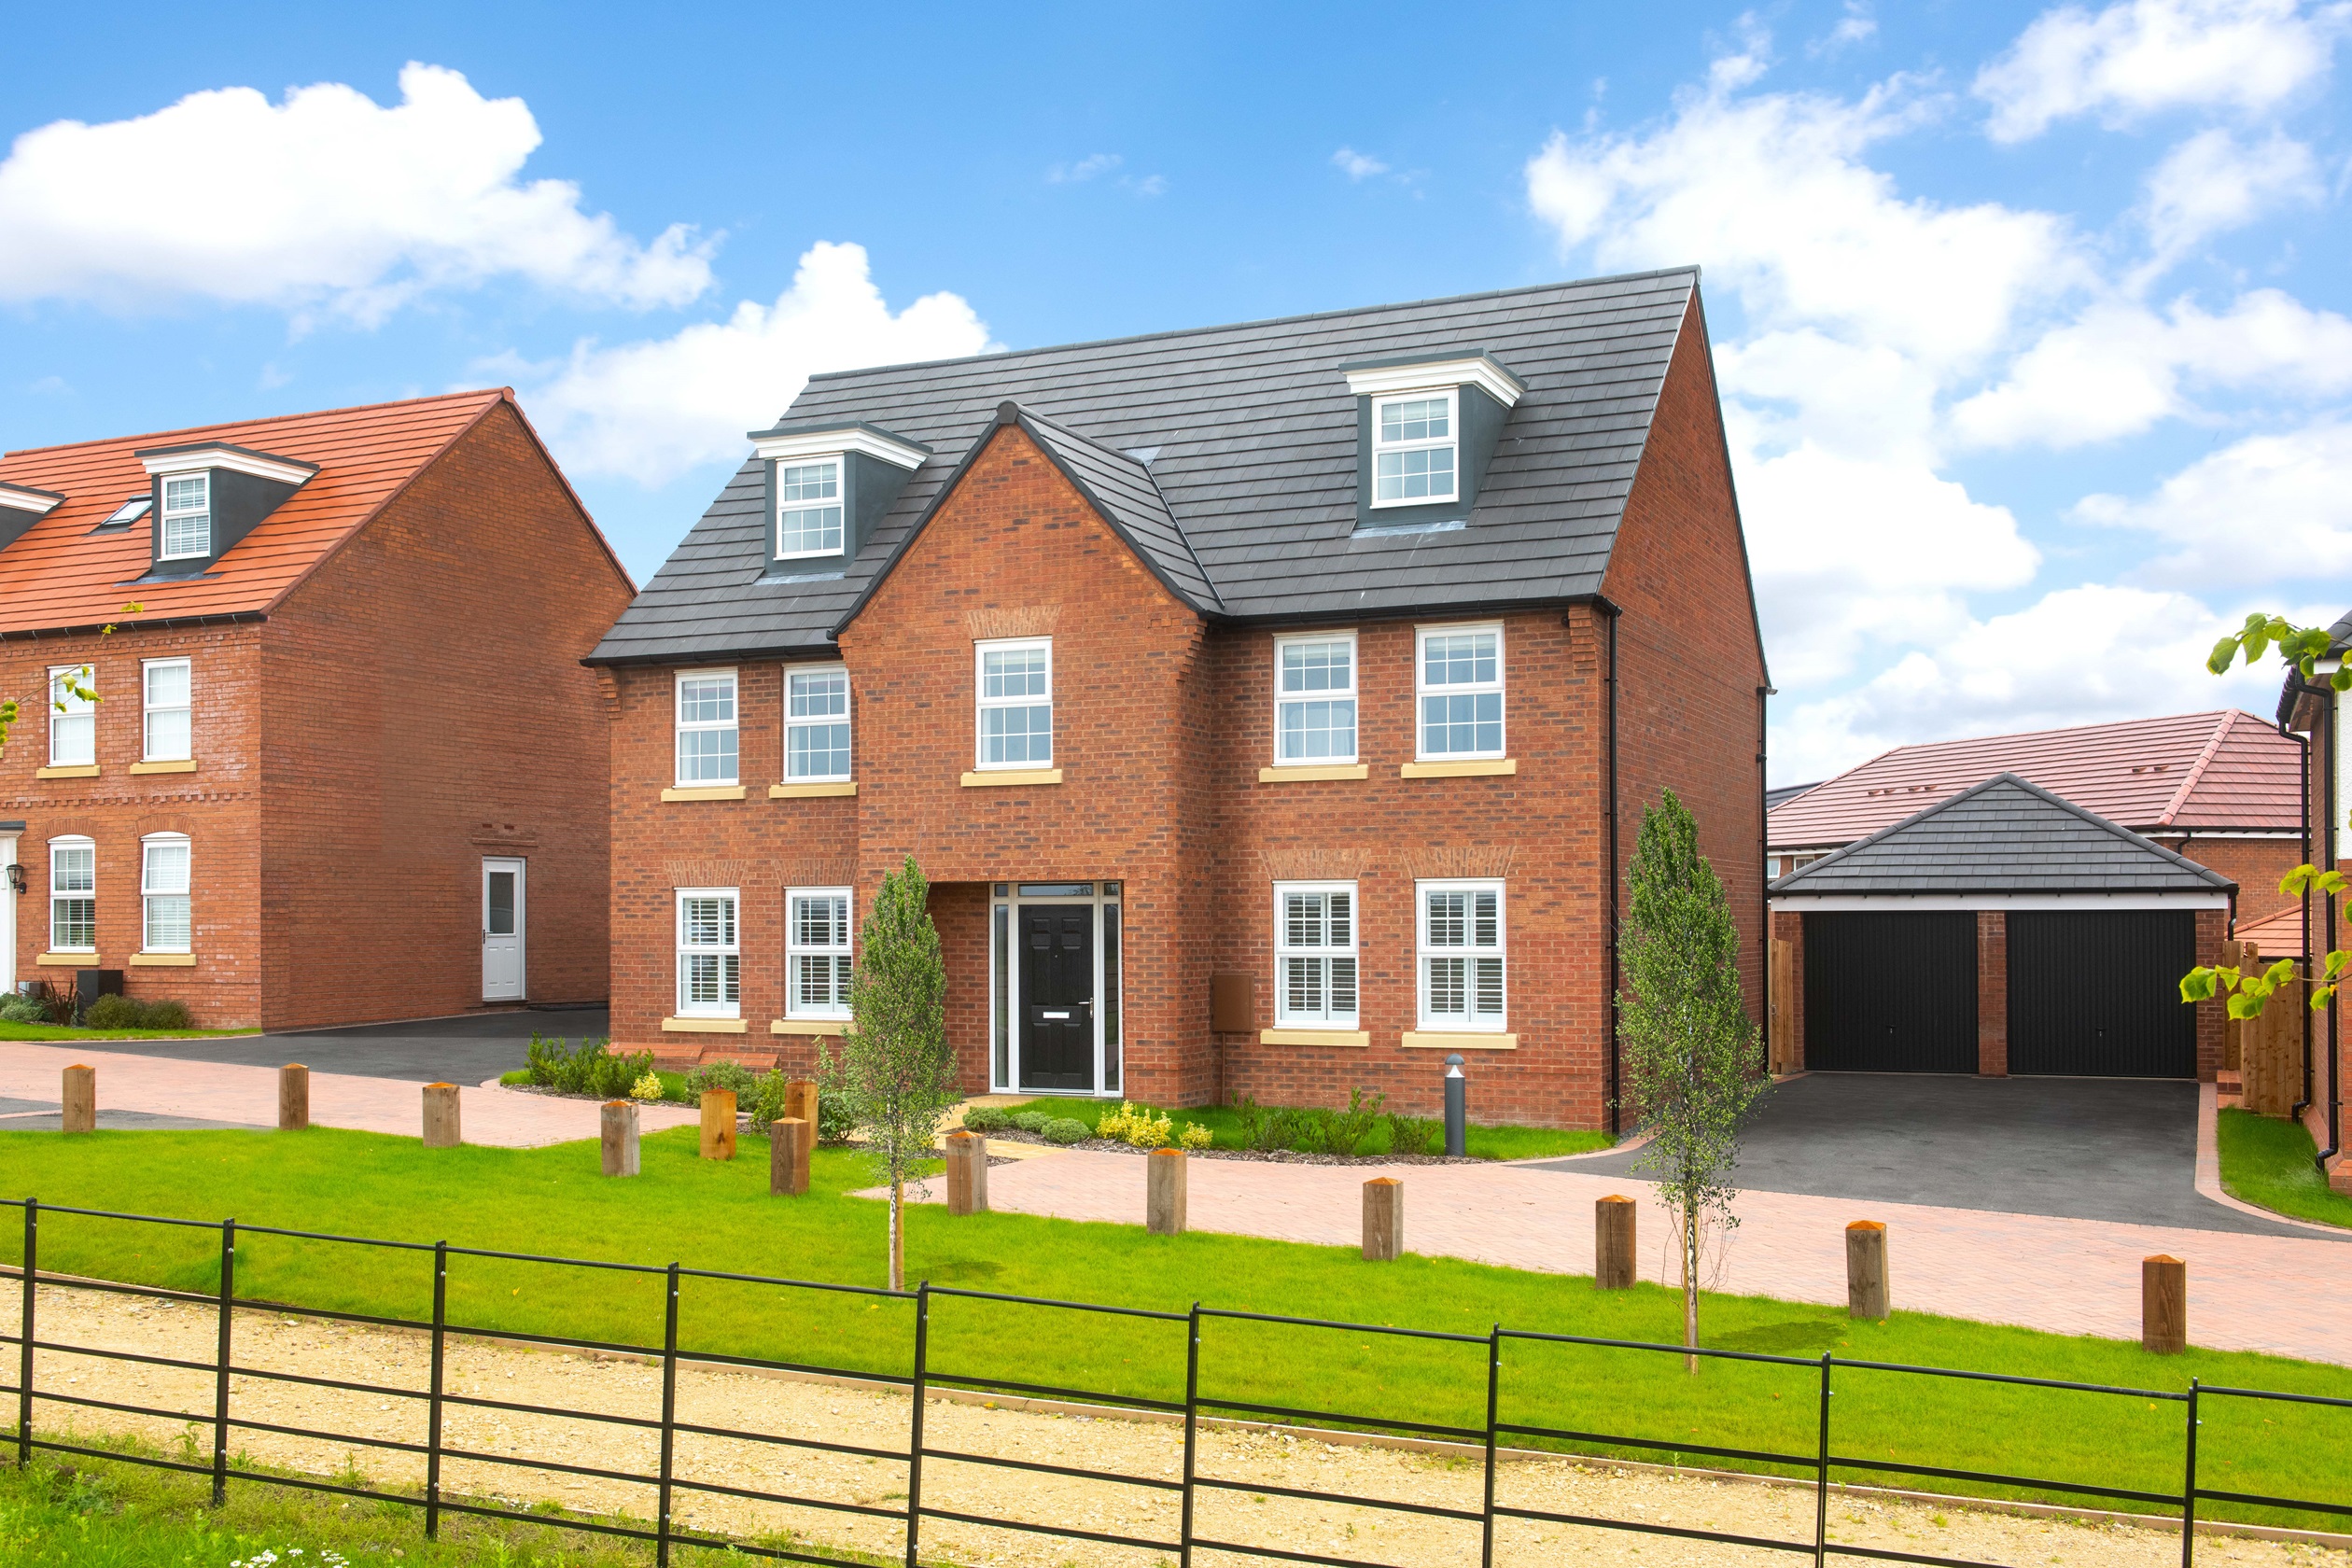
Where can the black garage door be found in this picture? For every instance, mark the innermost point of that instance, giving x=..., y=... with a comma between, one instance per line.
x=2098, y=996
x=1891, y=993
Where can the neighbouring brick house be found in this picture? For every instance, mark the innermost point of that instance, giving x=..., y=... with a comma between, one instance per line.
x=2315, y=710
x=344, y=764
x=1271, y=707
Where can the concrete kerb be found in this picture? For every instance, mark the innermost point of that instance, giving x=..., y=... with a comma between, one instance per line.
x=1339, y=1437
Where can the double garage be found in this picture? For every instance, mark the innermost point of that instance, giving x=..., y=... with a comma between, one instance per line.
x=2002, y=931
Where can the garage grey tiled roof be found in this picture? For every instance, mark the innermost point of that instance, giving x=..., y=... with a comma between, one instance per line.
x=1244, y=437
x=2005, y=835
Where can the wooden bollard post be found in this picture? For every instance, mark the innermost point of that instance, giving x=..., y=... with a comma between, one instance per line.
x=293, y=1098
x=1164, y=1192
x=1384, y=1219
x=2163, y=1305
x=789, y=1138
x=80, y=1100
x=442, y=1129
x=1613, y=1242
x=966, y=1173
x=1866, y=1269
x=618, y=1126
x=717, y=1124
x=800, y=1103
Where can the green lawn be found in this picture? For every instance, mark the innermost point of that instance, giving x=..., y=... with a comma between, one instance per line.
x=2267, y=1162
x=719, y=1216
x=61, y=1032
x=66, y=1512
x=1484, y=1143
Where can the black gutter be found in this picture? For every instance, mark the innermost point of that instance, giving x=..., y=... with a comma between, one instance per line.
x=135, y=623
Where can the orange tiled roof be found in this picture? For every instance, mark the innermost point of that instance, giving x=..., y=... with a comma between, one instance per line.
x=2277, y=935
x=59, y=574
x=2207, y=772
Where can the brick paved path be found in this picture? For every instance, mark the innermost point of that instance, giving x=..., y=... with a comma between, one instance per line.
x=2263, y=1292
x=225, y=1093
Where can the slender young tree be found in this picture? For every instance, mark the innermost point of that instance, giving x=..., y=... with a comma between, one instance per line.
x=1692, y=1070
x=896, y=1076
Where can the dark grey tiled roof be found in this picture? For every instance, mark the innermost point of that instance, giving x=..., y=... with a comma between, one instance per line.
x=1121, y=488
x=2005, y=835
x=1254, y=469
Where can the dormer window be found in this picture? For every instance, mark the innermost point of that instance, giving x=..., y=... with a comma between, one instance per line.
x=828, y=488
x=187, y=526
x=1413, y=445
x=808, y=508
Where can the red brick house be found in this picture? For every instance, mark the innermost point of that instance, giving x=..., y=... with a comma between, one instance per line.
x=2317, y=712
x=344, y=764
x=1271, y=707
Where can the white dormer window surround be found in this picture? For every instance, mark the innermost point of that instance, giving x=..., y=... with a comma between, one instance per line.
x=808, y=508
x=21, y=497
x=1415, y=438
x=187, y=521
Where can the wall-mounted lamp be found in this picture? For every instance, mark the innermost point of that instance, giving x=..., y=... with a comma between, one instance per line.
x=16, y=879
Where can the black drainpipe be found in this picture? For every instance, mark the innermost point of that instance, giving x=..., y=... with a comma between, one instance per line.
x=2302, y=800
x=1610, y=611
x=1763, y=873
x=2335, y=1011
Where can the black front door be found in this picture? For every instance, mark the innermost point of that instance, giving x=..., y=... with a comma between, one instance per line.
x=1056, y=997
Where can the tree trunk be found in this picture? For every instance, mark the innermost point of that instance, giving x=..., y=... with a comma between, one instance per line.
x=1691, y=1282
x=898, y=1231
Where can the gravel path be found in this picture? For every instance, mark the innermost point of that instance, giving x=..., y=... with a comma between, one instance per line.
x=537, y=1381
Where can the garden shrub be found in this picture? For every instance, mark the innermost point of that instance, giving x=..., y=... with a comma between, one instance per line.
x=1415, y=1135
x=1065, y=1129
x=834, y=1121
x=648, y=1087
x=1138, y=1126
x=1309, y=1130
x=168, y=1014
x=15, y=1009
x=1192, y=1135
x=1032, y=1121
x=987, y=1118
x=116, y=1011
x=590, y=1070
x=1350, y=1128
x=724, y=1073
x=765, y=1101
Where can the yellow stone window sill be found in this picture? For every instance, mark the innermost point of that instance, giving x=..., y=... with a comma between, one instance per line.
x=1306, y=773
x=1351, y=1038
x=1469, y=767
x=705, y=791
x=807, y=1026
x=989, y=777
x=67, y=960
x=163, y=960
x=186, y=765
x=812, y=792
x=702, y=1025
x=1459, y=1039
x=75, y=770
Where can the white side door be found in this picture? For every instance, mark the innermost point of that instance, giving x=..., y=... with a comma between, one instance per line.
x=503, y=924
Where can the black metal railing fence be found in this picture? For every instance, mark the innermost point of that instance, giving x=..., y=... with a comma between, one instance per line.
x=1818, y=1465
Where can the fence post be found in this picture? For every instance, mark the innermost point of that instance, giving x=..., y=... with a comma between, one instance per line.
x=2189, y=1485
x=433, y=1400
x=1495, y=1390
x=1192, y=1433
x=669, y=1418
x=221, y=1378
x=915, y=1424
x=24, y=1355
x=1821, y=1475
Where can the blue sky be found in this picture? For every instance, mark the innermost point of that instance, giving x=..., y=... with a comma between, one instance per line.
x=2032, y=321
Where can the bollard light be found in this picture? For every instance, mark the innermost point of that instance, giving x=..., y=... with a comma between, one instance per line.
x=1457, y=1108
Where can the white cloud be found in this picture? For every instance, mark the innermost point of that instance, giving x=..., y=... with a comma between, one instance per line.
x=2119, y=367
x=1084, y=169
x=2142, y=56
x=649, y=410
x=2263, y=509
x=326, y=201
x=1858, y=25
x=1852, y=555
x=2077, y=656
x=2213, y=182
x=1357, y=165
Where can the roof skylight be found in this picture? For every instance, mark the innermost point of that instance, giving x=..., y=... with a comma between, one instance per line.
x=129, y=511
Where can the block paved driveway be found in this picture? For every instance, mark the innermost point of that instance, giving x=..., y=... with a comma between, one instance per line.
x=2116, y=1149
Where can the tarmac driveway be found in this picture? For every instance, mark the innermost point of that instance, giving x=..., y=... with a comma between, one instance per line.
x=2115, y=1149
x=470, y=1049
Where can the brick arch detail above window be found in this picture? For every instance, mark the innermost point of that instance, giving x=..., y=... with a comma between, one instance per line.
x=163, y=822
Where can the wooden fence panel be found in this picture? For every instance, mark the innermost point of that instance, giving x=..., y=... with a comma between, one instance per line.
x=2271, y=1058
x=1788, y=1054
